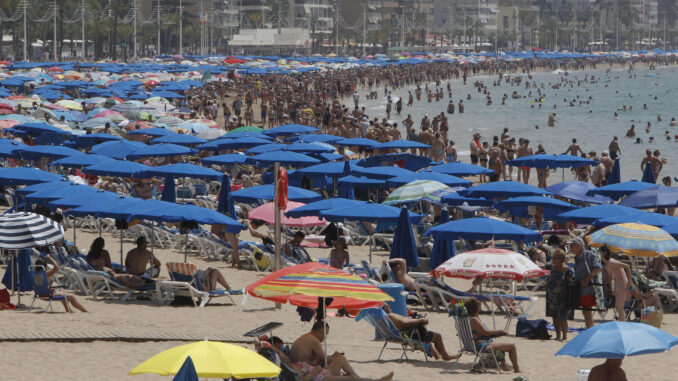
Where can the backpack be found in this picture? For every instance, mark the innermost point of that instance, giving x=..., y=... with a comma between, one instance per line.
x=532, y=329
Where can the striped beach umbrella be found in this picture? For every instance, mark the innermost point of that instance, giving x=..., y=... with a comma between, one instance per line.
x=303, y=284
x=26, y=230
x=635, y=239
x=414, y=191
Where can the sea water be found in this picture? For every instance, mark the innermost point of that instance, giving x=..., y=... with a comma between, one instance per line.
x=592, y=124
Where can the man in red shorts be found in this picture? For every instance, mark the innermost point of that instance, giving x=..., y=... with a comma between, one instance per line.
x=586, y=268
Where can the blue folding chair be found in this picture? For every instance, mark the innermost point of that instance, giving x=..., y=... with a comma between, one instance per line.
x=42, y=291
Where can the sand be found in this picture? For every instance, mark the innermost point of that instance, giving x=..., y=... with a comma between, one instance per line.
x=112, y=360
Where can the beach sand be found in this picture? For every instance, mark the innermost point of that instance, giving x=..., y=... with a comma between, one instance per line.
x=112, y=360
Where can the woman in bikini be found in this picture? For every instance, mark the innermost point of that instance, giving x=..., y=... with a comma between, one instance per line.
x=478, y=328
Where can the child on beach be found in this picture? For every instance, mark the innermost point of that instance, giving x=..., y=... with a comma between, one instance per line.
x=557, y=305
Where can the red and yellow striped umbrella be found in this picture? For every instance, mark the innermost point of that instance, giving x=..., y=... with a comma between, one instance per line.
x=303, y=284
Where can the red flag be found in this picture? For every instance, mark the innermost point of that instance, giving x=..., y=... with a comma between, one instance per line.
x=282, y=188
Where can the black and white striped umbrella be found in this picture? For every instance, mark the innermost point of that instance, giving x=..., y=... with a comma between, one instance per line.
x=25, y=230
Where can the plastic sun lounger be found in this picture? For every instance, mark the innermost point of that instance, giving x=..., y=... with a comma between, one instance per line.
x=378, y=319
x=185, y=282
x=99, y=282
x=268, y=327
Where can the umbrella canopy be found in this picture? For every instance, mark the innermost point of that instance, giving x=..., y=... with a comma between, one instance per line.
x=94, y=139
x=547, y=202
x=619, y=190
x=266, y=213
x=26, y=230
x=402, y=160
x=179, y=139
x=442, y=249
x=246, y=129
x=154, y=131
x=404, y=246
x=119, y=168
x=658, y=196
x=414, y=191
x=54, y=194
x=577, y=191
x=367, y=212
x=400, y=144
x=312, y=147
x=212, y=359
x=452, y=198
x=314, y=208
x=356, y=142
x=164, y=149
x=489, y=263
x=117, y=149
x=321, y=138
x=36, y=153
x=654, y=219
x=380, y=173
x=266, y=192
x=635, y=239
x=358, y=182
x=616, y=340
x=592, y=213
x=38, y=128
x=333, y=169
x=551, y=161
x=460, y=169
x=81, y=160
x=483, y=228
x=25, y=176
x=282, y=157
x=502, y=189
x=225, y=203
x=184, y=170
x=244, y=142
x=187, y=372
x=302, y=285
x=265, y=148
x=615, y=174
x=449, y=180
x=290, y=129
x=648, y=174
x=227, y=159
x=52, y=185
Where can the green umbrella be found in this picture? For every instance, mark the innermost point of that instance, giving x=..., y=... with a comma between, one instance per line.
x=254, y=129
x=414, y=191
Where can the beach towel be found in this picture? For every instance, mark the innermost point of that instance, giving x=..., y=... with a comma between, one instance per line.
x=4, y=301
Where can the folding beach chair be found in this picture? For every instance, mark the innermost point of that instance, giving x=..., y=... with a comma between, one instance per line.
x=377, y=318
x=467, y=343
x=42, y=291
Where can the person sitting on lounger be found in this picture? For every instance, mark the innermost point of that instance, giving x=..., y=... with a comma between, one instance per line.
x=290, y=247
x=210, y=277
x=308, y=356
x=399, y=268
x=41, y=265
x=478, y=329
x=98, y=257
x=410, y=326
x=137, y=259
x=610, y=370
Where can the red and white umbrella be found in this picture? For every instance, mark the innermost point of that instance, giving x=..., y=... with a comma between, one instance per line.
x=489, y=263
x=265, y=212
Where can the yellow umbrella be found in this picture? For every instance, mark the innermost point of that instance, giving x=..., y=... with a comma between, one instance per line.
x=71, y=105
x=212, y=359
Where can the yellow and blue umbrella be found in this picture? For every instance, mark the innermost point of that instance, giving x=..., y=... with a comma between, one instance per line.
x=635, y=239
x=212, y=359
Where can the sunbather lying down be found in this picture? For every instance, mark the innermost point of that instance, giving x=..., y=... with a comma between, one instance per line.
x=130, y=281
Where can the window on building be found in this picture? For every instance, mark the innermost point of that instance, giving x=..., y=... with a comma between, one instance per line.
x=506, y=22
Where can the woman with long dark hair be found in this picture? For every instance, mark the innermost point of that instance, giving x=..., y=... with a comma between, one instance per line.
x=98, y=257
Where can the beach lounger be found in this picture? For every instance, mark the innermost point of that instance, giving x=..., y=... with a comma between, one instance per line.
x=377, y=318
x=583, y=374
x=185, y=282
x=467, y=344
x=99, y=282
x=268, y=327
x=42, y=291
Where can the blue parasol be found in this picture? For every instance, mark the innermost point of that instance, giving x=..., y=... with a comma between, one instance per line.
x=404, y=245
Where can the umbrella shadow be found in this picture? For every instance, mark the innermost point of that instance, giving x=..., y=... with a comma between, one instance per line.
x=445, y=367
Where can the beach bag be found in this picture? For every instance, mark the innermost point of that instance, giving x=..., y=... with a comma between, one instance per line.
x=653, y=318
x=532, y=329
x=261, y=259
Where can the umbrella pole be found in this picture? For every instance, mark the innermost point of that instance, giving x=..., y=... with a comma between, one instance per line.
x=563, y=173
x=186, y=247
x=276, y=216
x=122, y=266
x=324, y=330
x=73, y=226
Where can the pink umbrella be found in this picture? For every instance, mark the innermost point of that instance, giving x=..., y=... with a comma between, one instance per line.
x=7, y=123
x=265, y=213
x=489, y=263
x=107, y=113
